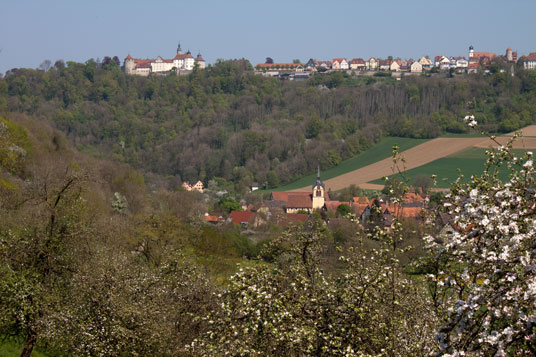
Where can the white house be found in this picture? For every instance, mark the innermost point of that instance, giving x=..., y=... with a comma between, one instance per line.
x=530, y=61
x=416, y=67
x=340, y=63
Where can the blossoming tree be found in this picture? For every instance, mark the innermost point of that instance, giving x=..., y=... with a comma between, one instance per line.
x=484, y=284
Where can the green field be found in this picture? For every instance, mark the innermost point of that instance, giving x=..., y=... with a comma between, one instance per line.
x=380, y=151
x=11, y=349
x=470, y=161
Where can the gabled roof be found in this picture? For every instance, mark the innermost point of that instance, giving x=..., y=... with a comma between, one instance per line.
x=531, y=56
x=241, y=217
x=299, y=200
x=483, y=54
x=357, y=61
x=339, y=60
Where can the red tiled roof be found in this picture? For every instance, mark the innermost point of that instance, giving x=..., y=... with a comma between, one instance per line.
x=357, y=61
x=299, y=200
x=357, y=200
x=531, y=56
x=412, y=197
x=242, y=217
x=339, y=60
x=211, y=219
x=359, y=208
x=483, y=54
x=199, y=59
x=280, y=196
x=406, y=212
x=269, y=65
x=333, y=205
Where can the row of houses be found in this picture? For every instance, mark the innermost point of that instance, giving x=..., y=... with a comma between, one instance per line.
x=472, y=63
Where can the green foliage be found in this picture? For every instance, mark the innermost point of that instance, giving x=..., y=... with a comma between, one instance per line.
x=229, y=204
x=343, y=210
x=14, y=145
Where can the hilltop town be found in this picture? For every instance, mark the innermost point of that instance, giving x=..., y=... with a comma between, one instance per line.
x=184, y=63
x=474, y=62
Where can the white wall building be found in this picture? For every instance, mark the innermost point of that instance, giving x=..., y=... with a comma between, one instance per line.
x=181, y=61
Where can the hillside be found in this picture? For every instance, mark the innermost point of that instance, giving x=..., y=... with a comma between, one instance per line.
x=227, y=122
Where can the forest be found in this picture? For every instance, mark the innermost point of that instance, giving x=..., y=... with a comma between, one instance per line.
x=226, y=122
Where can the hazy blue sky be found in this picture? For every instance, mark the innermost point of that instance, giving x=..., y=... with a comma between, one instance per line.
x=32, y=31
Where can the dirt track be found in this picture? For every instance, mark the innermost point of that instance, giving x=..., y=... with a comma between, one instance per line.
x=421, y=155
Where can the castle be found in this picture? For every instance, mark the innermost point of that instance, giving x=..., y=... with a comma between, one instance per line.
x=182, y=63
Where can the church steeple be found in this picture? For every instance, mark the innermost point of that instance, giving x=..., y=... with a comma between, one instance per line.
x=179, y=51
x=318, y=191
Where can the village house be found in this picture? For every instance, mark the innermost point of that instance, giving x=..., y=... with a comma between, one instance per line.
x=384, y=65
x=372, y=64
x=181, y=62
x=358, y=64
x=324, y=65
x=311, y=65
x=529, y=62
x=416, y=67
x=339, y=63
x=198, y=186
x=426, y=63
x=395, y=66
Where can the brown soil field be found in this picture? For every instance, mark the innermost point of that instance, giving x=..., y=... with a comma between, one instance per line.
x=527, y=131
x=524, y=142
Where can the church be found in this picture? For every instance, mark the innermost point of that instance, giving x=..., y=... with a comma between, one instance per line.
x=294, y=202
x=181, y=63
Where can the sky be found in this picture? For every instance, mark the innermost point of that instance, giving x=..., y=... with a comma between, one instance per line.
x=32, y=31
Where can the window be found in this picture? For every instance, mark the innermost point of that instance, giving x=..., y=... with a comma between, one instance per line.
x=318, y=193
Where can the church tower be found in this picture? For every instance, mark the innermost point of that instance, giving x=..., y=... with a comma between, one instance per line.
x=179, y=51
x=471, y=51
x=319, y=190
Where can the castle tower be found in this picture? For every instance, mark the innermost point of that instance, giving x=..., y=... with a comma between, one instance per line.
x=509, y=55
x=129, y=64
x=319, y=190
x=179, y=51
x=471, y=51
